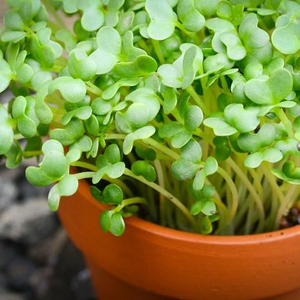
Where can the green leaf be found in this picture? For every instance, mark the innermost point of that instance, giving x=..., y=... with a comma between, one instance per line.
x=117, y=225
x=220, y=126
x=116, y=170
x=65, y=36
x=145, y=153
x=109, y=163
x=191, y=152
x=96, y=193
x=13, y=21
x=66, y=187
x=271, y=155
x=111, y=91
x=196, y=208
x=182, y=72
x=253, y=36
x=211, y=166
x=112, y=194
x=72, y=90
x=105, y=220
x=217, y=63
x=6, y=131
x=81, y=66
x=193, y=117
x=163, y=20
x=141, y=133
x=170, y=99
x=21, y=108
x=109, y=49
x=286, y=36
x=209, y=208
x=5, y=74
x=112, y=13
x=199, y=180
x=37, y=177
x=13, y=36
x=191, y=18
x=183, y=169
x=145, y=169
x=226, y=39
x=93, y=17
x=141, y=66
x=206, y=226
x=13, y=157
x=147, y=97
x=270, y=90
x=244, y=120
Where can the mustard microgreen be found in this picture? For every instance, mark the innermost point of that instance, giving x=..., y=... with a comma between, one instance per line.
x=186, y=109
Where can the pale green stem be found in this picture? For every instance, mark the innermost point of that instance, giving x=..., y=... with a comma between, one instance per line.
x=168, y=195
x=233, y=190
x=197, y=99
x=57, y=17
x=256, y=183
x=18, y=136
x=272, y=181
x=32, y=153
x=130, y=201
x=121, y=184
x=149, y=141
x=253, y=193
x=284, y=206
x=114, y=136
x=93, y=88
x=161, y=181
x=158, y=51
x=84, y=175
x=162, y=148
x=285, y=121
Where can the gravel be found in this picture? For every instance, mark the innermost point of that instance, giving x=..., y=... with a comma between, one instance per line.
x=37, y=259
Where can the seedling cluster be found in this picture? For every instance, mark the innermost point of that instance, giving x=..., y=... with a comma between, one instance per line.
x=184, y=112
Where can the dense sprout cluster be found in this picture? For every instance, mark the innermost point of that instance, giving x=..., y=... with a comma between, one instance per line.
x=185, y=112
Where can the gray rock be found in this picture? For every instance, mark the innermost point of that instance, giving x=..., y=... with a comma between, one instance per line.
x=48, y=248
x=18, y=274
x=8, y=254
x=8, y=193
x=82, y=286
x=7, y=295
x=28, y=222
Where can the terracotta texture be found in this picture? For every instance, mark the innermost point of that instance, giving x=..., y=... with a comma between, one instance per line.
x=161, y=261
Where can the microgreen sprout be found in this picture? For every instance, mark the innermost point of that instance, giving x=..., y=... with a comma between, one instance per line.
x=183, y=112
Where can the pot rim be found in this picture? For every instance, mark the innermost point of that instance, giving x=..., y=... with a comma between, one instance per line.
x=196, y=238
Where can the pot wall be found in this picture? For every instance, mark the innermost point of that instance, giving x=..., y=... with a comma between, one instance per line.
x=183, y=265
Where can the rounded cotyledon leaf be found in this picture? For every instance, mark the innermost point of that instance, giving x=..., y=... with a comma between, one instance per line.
x=109, y=49
x=163, y=20
x=73, y=90
x=112, y=194
x=6, y=131
x=270, y=90
x=117, y=224
x=93, y=16
x=286, y=37
x=81, y=66
x=141, y=66
x=191, y=18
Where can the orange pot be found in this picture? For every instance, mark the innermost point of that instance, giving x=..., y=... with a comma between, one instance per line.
x=153, y=262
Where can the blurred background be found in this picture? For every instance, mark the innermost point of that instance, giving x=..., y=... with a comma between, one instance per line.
x=37, y=260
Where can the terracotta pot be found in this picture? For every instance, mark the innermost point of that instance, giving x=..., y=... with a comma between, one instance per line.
x=153, y=262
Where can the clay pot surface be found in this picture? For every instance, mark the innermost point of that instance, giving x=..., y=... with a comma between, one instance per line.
x=154, y=262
